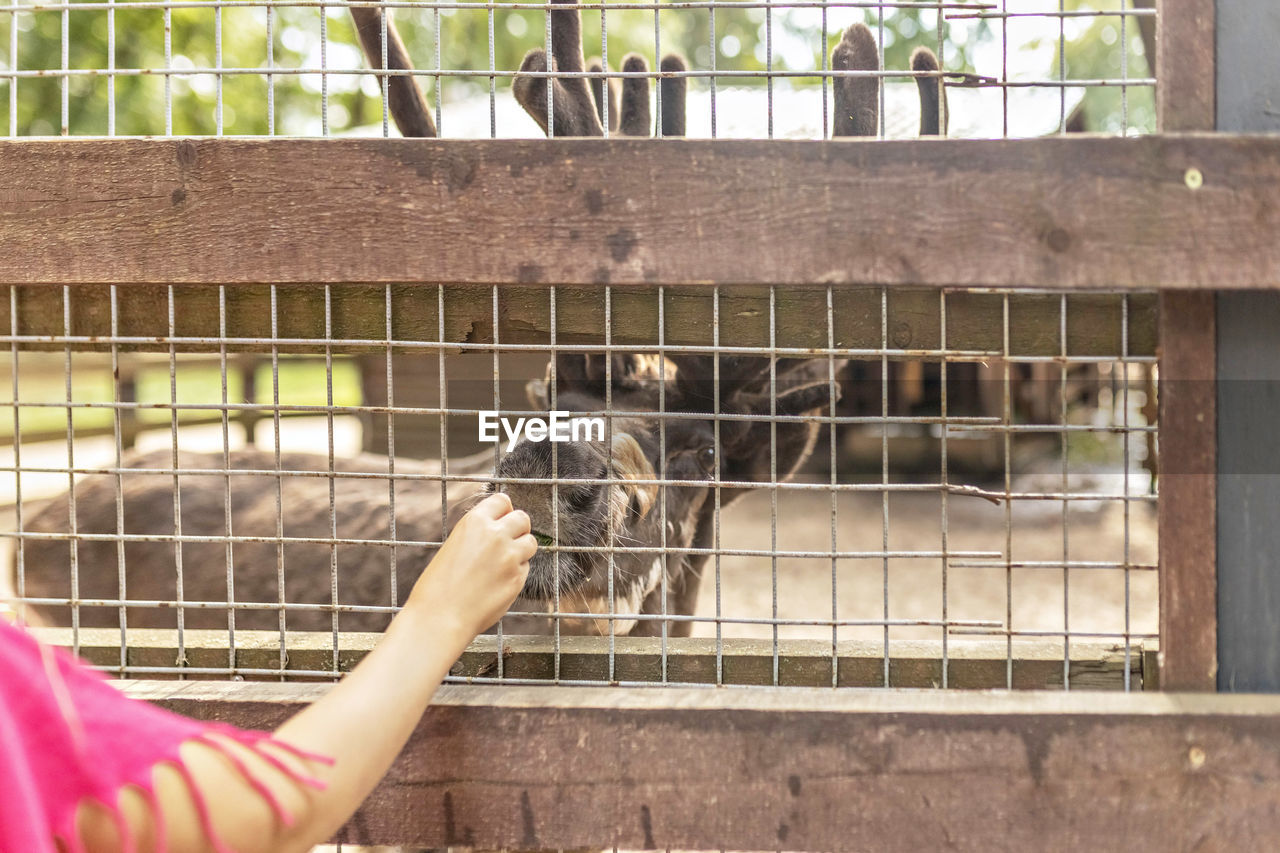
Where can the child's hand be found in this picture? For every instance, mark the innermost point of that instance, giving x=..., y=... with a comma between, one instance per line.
x=480, y=569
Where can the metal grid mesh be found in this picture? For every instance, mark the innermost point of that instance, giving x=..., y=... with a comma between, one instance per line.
x=1011, y=68
x=919, y=479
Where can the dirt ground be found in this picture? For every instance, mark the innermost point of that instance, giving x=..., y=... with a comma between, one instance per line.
x=979, y=585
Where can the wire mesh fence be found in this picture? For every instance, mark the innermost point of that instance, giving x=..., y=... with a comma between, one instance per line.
x=802, y=69
x=811, y=485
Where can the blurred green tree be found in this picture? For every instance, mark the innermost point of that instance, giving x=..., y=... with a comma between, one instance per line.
x=243, y=38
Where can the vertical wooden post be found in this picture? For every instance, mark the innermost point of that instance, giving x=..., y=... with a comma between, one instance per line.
x=1188, y=445
x=1186, y=100
x=1186, y=97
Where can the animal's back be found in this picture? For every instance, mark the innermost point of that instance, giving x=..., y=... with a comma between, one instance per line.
x=145, y=501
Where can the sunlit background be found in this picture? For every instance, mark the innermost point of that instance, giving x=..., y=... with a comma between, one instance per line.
x=253, y=68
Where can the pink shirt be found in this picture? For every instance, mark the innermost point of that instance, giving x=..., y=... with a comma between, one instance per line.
x=67, y=735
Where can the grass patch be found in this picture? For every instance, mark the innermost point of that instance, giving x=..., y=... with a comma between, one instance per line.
x=43, y=380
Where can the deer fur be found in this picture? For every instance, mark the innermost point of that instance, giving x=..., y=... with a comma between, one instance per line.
x=361, y=512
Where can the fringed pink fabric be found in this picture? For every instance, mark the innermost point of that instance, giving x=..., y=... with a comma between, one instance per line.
x=282, y=814
x=67, y=737
x=157, y=816
x=301, y=778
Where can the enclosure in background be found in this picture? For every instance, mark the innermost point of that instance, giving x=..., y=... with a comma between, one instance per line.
x=1032, y=567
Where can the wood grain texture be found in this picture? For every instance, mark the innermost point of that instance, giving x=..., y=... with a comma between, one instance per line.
x=972, y=664
x=1188, y=492
x=1055, y=213
x=808, y=769
x=1186, y=97
x=912, y=319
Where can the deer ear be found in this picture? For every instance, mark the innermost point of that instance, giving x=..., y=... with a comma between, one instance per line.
x=535, y=390
x=794, y=440
x=569, y=371
x=630, y=463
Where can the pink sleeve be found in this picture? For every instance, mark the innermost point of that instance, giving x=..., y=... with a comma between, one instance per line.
x=67, y=735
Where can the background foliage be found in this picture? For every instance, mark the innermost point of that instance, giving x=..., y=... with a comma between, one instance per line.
x=747, y=39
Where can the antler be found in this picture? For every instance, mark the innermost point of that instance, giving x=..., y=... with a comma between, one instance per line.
x=595, y=66
x=579, y=105
x=857, y=98
x=933, y=93
x=674, y=91
x=635, y=120
x=741, y=377
x=405, y=99
x=857, y=111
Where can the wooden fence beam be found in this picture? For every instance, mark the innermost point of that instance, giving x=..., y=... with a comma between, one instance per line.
x=358, y=317
x=1059, y=213
x=807, y=769
x=972, y=663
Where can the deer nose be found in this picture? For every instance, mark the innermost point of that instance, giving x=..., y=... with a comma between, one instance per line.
x=574, y=462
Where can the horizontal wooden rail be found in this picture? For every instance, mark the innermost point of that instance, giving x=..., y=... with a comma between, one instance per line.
x=807, y=769
x=910, y=320
x=972, y=663
x=1165, y=211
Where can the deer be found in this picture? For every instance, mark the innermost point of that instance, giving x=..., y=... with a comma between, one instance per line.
x=621, y=493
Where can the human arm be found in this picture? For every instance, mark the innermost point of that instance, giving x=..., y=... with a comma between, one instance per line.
x=361, y=724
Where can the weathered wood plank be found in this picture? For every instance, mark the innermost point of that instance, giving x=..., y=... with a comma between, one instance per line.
x=973, y=664
x=1186, y=96
x=358, y=313
x=1059, y=213
x=807, y=769
x=1188, y=492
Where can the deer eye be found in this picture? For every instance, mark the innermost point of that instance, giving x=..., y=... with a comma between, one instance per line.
x=578, y=497
x=707, y=458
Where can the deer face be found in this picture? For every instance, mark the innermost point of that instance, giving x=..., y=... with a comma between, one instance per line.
x=610, y=537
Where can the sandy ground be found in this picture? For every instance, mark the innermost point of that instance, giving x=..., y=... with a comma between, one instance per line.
x=979, y=586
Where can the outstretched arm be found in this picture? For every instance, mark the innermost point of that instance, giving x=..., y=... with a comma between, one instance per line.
x=361, y=724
